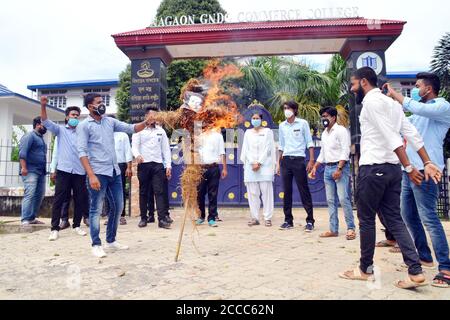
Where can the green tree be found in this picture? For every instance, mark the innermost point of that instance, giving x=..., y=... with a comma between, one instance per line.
x=440, y=64
x=179, y=71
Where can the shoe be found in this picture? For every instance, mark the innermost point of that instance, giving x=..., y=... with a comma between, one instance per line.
x=142, y=223
x=116, y=246
x=151, y=219
x=64, y=225
x=35, y=221
x=163, y=224
x=98, y=252
x=86, y=222
x=253, y=222
x=200, y=221
x=309, y=227
x=212, y=223
x=79, y=231
x=169, y=219
x=123, y=221
x=286, y=226
x=54, y=235
x=25, y=223
x=218, y=219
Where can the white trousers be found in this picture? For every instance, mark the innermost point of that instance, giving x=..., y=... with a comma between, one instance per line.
x=256, y=191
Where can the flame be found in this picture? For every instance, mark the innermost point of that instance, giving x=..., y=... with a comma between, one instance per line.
x=220, y=111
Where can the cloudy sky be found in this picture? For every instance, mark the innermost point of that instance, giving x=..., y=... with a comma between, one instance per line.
x=57, y=40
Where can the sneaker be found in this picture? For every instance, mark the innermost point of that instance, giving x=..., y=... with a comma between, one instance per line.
x=25, y=223
x=86, y=222
x=200, y=221
x=54, y=235
x=212, y=223
x=163, y=224
x=116, y=246
x=286, y=226
x=35, y=221
x=309, y=227
x=169, y=219
x=151, y=219
x=64, y=225
x=79, y=231
x=98, y=252
x=142, y=223
x=123, y=221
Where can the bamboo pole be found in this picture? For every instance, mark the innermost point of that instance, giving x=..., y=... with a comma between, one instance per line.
x=180, y=237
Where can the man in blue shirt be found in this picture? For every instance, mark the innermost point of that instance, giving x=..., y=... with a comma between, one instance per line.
x=70, y=174
x=295, y=138
x=431, y=117
x=33, y=161
x=96, y=149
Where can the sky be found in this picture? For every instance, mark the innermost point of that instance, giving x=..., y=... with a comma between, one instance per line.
x=46, y=41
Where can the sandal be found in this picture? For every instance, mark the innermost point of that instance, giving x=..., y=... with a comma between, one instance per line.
x=409, y=284
x=268, y=223
x=395, y=249
x=356, y=275
x=329, y=234
x=351, y=235
x=254, y=222
x=384, y=244
x=441, y=277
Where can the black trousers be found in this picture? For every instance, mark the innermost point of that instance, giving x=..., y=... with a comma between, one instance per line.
x=67, y=183
x=209, y=186
x=387, y=233
x=152, y=176
x=151, y=198
x=294, y=167
x=378, y=190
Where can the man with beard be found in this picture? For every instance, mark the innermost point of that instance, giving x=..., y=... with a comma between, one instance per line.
x=380, y=175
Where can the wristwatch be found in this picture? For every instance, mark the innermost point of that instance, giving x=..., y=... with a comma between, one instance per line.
x=409, y=169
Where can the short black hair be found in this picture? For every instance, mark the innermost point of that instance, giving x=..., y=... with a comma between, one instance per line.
x=90, y=97
x=292, y=105
x=36, y=121
x=148, y=109
x=368, y=74
x=258, y=112
x=70, y=109
x=332, y=111
x=430, y=79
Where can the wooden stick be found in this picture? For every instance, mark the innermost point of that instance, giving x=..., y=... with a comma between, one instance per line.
x=180, y=237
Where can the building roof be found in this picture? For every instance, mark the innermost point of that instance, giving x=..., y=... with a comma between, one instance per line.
x=402, y=74
x=76, y=84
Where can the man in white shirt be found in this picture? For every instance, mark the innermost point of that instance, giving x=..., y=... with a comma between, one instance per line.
x=335, y=154
x=151, y=149
x=380, y=175
x=211, y=149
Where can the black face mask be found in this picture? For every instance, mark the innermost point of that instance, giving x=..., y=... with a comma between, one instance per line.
x=42, y=131
x=100, y=110
x=325, y=122
x=360, y=95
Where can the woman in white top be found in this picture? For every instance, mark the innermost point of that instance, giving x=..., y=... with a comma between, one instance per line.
x=259, y=158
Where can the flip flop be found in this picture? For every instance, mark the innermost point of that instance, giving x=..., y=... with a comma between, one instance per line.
x=409, y=284
x=442, y=277
x=395, y=249
x=329, y=234
x=357, y=275
x=384, y=244
x=351, y=235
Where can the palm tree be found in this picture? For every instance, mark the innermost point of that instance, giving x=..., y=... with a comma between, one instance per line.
x=441, y=64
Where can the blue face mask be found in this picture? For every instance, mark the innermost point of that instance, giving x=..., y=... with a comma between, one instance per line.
x=73, y=122
x=256, y=123
x=415, y=94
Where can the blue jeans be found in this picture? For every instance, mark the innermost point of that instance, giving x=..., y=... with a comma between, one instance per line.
x=111, y=187
x=339, y=191
x=418, y=206
x=34, y=185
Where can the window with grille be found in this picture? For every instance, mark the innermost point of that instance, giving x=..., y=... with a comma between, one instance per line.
x=105, y=93
x=56, y=98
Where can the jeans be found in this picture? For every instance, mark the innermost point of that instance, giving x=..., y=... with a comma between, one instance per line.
x=419, y=206
x=111, y=187
x=338, y=190
x=34, y=185
x=378, y=190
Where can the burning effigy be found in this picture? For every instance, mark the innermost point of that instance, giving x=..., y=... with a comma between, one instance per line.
x=205, y=106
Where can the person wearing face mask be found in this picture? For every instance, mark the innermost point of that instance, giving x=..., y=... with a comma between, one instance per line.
x=70, y=174
x=431, y=117
x=383, y=124
x=295, y=137
x=335, y=155
x=33, y=159
x=259, y=158
x=96, y=150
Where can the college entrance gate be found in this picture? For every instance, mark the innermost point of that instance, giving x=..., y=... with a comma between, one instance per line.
x=361, y=42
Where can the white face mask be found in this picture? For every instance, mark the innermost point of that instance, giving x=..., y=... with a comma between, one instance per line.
x=288, y=114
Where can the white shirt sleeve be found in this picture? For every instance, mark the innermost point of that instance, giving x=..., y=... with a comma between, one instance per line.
x=244, y=150
x=127, y=148
x=166, y=153
x=221, y=144
x=135, y=144
x=344, y=139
